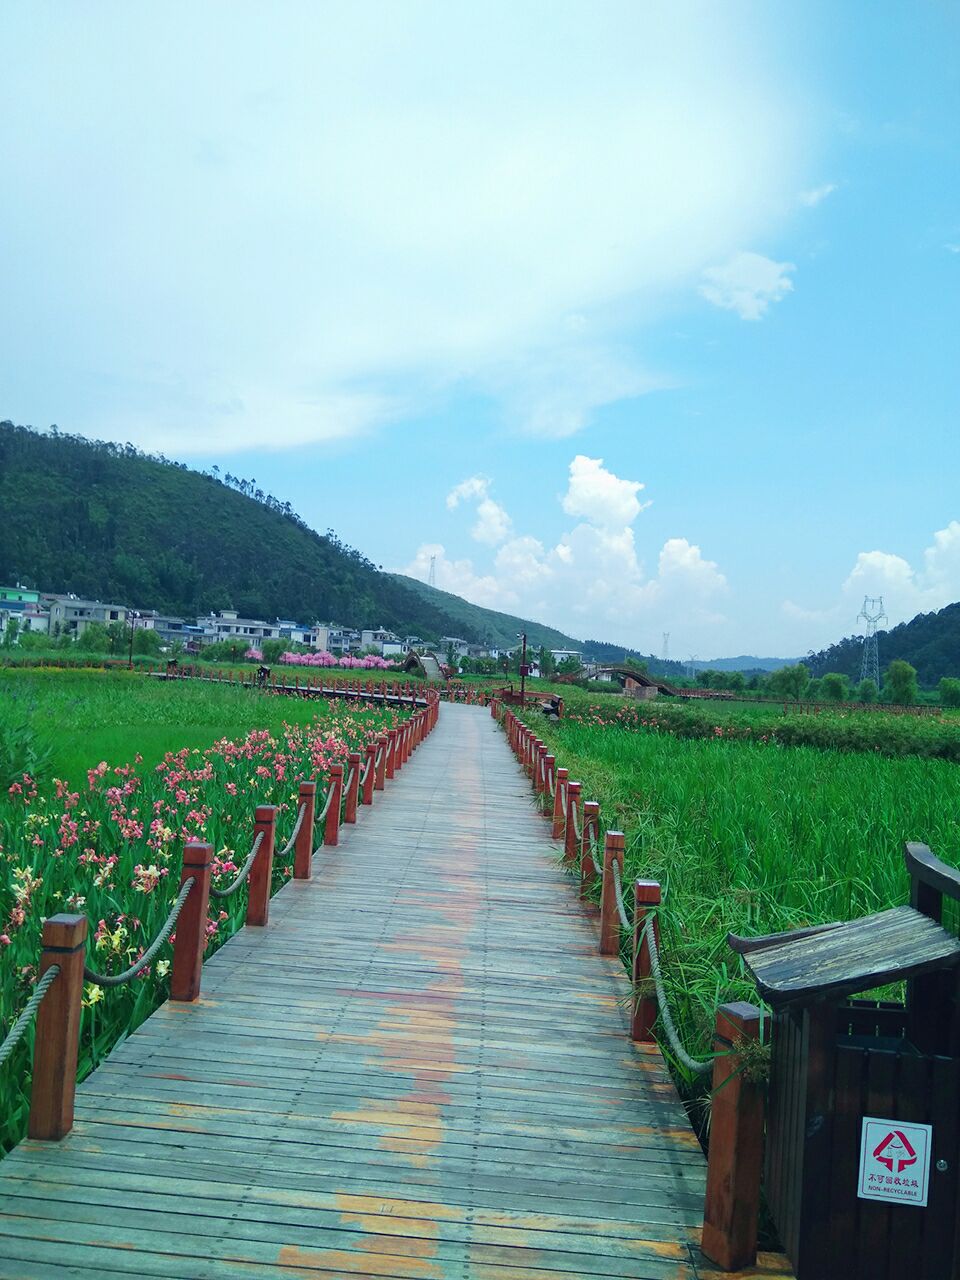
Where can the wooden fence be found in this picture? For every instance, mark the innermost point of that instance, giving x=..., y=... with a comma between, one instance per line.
x=57, y=1000
x=731, y=1207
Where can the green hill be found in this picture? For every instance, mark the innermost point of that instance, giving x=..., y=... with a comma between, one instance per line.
x=930, y=642
x=107, y=521
x=499, y=629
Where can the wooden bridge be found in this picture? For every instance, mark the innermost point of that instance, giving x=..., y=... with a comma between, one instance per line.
x=421, y=1068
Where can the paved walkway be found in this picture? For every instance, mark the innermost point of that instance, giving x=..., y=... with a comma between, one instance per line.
x=419, y=1069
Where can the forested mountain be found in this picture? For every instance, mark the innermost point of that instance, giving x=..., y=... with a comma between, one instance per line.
x=107, y=521
x=492, y=628
x=930, y=642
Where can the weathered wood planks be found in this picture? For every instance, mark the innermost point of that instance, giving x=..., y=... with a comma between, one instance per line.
x=420, y=1068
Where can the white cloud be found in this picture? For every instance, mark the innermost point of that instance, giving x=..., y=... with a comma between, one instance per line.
x=814, y=196
x=600, y=496
x=747, y=283
x=493, y=524
x=591, y=582
x=906, y=590
x=358, y=209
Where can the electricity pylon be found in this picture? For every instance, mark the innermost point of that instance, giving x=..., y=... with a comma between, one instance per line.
x=872, y=614
x=432, y=579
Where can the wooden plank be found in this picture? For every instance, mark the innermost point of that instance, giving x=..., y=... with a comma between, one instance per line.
x=434, y=1080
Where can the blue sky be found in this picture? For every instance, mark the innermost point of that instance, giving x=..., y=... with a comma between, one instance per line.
x=638, y=317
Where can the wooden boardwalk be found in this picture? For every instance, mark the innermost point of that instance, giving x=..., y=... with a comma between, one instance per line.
x=420, y=1068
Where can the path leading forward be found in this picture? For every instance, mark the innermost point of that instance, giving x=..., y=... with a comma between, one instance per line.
x=419, y=1069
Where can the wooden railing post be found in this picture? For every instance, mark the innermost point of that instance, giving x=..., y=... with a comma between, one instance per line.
x=353, y=790
x=331, y=830
x=382, y=742
x=591, y=827
x=57, y=1039
x=570, y=843
x=540, y=770
x=646, y=894
x=609, y=919
x=393, y=745
x=190, y=938
x=370, y=774
x=549, y=776
x=261, y=873
x=559, y=804
x=303, y=849
x=732, y=1202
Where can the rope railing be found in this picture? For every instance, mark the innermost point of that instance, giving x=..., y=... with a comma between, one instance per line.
x=614, y=916
x=322, y=813
x=118, y=979
x=64, y=940
x=18, y=1030
x=242, y=874
x=666, y=1018
x=618, y=895
x=291, y=843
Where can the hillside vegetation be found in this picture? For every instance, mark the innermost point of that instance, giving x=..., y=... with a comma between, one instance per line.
x=930, y=642
x=107, y=521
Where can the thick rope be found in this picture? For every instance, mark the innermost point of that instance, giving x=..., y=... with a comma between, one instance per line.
x=296, y=831
x=576, y=824
x=366, y=771
x=118, y=979
x=15, y=1034
x=552, y=781
x=618, y=893
x=349, y=782
x=326, y=805
x=242, y=874
x=698, y=1068
x=593, y=844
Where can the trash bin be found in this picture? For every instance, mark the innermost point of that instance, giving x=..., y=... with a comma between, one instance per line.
x=863, y=1123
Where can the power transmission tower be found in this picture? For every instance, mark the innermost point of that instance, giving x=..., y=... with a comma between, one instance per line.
x=432, y=580
x=692, y=666
x=665, y=655
x=872, y=613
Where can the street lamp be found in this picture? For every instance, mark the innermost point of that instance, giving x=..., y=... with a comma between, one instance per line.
x=133, y=626
x=523, y=664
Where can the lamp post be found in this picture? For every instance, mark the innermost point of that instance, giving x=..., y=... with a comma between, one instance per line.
x=523, y=665
x=133, y=626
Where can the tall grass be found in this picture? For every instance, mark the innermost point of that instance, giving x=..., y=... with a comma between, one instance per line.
x=75, y=718
x=755, y=839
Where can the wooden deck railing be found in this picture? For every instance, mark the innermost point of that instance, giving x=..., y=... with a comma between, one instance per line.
x=57, y=1002
x=734, y=1163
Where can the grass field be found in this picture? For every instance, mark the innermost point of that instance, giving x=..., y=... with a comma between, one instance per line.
x=83, y=717
x=754, y=838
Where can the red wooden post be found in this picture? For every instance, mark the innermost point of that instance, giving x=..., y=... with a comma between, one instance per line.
x=303, y=849
x=560, y=804
x=570, y=842
x=392, y=763
x=58, y=1029
x=190, y=938
x=541, y=780
x=370, y=774
x=331, y=831
x=736, y=1145
x=382, y=741
x=609, y=918
x=258, y=891
x=353, y=790
x=405, y=733
x=591, y=826
x=646, y=894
